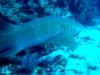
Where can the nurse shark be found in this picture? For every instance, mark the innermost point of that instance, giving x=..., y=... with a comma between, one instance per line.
x=50, y=29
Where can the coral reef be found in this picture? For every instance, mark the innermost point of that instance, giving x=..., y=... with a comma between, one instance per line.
x=24, y=11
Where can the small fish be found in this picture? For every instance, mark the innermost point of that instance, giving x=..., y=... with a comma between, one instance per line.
x=53, y=29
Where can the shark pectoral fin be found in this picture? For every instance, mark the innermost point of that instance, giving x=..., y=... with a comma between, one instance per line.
x=5, y=53
x=63, y=39
x=9, y=52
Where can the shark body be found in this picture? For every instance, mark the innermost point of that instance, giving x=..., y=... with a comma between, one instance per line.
x=51, y=29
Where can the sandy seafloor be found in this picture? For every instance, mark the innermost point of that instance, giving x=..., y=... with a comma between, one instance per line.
x=85, y=60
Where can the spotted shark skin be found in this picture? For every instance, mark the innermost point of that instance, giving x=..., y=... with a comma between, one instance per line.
x=50, y=29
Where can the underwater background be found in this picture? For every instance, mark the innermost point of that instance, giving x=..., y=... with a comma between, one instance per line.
x=52, y=59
